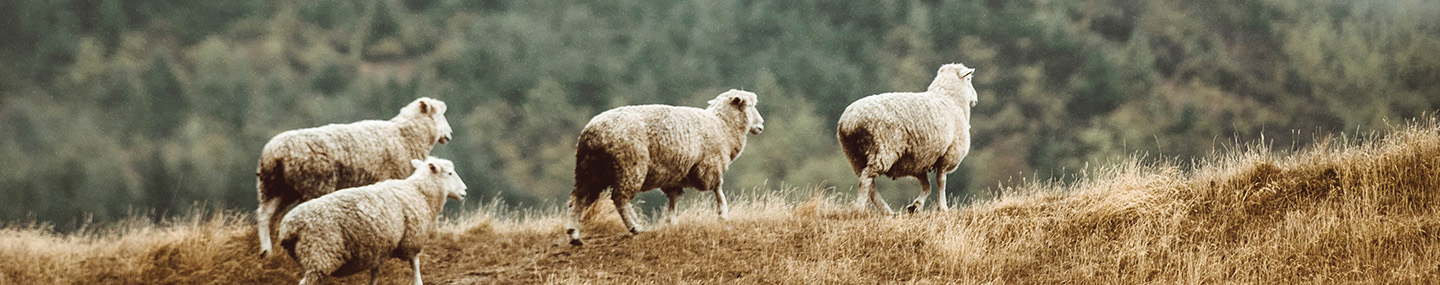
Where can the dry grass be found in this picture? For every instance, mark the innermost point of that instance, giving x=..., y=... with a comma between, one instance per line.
x=1362, y=211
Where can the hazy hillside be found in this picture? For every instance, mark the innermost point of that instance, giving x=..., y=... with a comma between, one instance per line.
x=110, y=108
x=1346, y=210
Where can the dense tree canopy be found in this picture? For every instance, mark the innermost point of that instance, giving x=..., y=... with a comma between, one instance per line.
x=111, y=108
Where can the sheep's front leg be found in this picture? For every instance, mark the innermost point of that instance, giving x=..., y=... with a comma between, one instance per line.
x=375, y=275
x=415, y=267
x=924, y=192
x=312, y=277
x=674, y=195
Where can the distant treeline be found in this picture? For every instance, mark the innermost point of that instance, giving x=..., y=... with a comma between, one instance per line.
x=110, y=108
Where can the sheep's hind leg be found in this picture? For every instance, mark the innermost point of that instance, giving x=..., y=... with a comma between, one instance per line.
x=415, y=267
x=579, y=203
x=263, y=217
x=627, y=213
x=720, y=204
x=940, y=203
x=867, y=189
x=924, y=192
x=673, y=194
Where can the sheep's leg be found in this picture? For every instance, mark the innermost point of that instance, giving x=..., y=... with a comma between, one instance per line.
x=863, y=191
x=263, y=221
x=312, y=277
x=375, y=275
x=415, y=267
x=627, y=213
x=940, y=203
x=578, y=204
x=720, y=205
x=924, y=192
x=674, y=195
x=867, y=189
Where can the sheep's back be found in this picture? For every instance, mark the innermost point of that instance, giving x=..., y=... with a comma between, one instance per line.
x=358, y=153
x=669, y=140
x=915, y=129
x=366, y=222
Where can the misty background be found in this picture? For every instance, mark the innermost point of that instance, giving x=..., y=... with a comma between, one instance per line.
x=118, y=108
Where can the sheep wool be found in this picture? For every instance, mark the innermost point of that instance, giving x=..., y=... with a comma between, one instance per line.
x=304, y=164
x=910, y=134
x=358, y=229
x=638, y=148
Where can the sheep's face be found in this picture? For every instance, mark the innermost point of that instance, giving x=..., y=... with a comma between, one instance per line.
x=444, y=170
x=744, y=102
x=433, y=110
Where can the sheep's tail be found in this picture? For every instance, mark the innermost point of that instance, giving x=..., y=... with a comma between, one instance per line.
x=288, y=243
x=595, y=168
x=270, y=178
x=854, y=142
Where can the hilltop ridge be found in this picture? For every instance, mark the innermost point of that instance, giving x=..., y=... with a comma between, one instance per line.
x=1345, y=210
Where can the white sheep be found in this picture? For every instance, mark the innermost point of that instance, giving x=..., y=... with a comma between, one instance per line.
x=910, y=134
x=358, y=229
x=638, y=148
x=300, y=165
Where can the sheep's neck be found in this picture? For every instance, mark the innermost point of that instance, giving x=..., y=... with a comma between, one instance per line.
x=433, y=192
x=736, y=128
x=952, y=92
x=947, y=88
x=418, y=135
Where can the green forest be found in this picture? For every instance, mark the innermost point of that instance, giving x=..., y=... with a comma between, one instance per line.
x=120, y=108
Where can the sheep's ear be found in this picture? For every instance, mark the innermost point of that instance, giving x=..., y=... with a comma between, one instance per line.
x=966, y=73
x=417, y=164
x=424, y=107
x=736, y=101
x=433, y=169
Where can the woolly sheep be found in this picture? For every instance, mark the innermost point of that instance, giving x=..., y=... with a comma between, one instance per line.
x=637, y=148
x=358, y=229
x=910, y=134
x=300, y=165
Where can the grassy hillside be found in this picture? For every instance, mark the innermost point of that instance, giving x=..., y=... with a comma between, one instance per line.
x=1344, y=210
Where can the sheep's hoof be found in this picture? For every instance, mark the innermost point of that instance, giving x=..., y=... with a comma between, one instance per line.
x=576, y=242
x=912, y=208
x=636, y=231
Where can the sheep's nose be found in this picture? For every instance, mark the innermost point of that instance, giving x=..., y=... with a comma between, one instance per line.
x=757, y=129
x=444, y=139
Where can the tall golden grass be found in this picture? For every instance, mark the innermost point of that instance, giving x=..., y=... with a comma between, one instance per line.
x=1346, y=210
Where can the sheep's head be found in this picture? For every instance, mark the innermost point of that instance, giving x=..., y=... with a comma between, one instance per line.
x=956, y=77
x=444, y=170
x=742, y=102
x=430, y=109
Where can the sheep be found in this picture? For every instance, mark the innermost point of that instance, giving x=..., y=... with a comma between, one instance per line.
x=910, y=134
x=300, y=165
x=638, y=148
x=358, y=229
